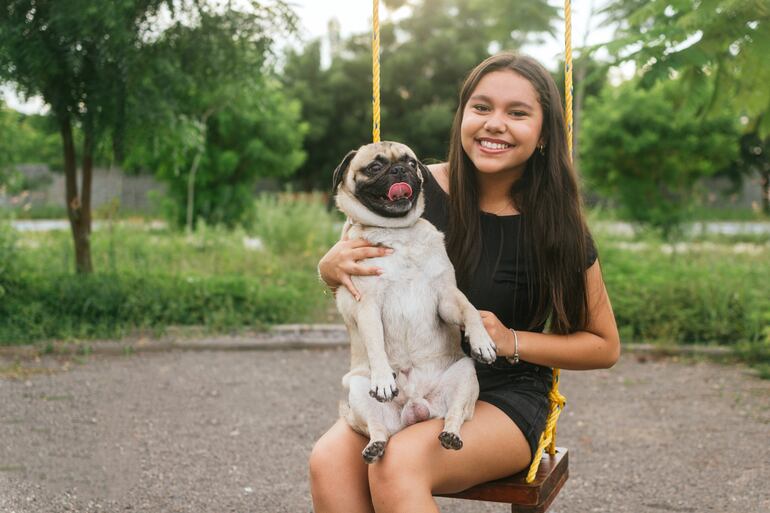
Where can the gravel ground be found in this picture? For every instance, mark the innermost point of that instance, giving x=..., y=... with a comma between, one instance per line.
x=231, y=432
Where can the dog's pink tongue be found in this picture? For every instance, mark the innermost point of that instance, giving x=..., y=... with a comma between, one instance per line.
x=399, y=190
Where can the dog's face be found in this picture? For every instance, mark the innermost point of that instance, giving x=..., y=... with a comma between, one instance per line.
x=385, y=178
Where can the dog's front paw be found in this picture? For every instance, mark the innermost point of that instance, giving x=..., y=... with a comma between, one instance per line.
x=384, y=387
x=484, y=352
x=450, y=440
x=373, y=451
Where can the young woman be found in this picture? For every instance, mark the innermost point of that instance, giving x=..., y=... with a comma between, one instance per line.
x=508, y=203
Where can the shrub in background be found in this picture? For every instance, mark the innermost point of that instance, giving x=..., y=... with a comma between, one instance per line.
x=638, y=148
x=287, y=226
x=220, y=278
x=693, y=298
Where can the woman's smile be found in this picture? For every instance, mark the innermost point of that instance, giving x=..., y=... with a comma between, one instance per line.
x=493, y=146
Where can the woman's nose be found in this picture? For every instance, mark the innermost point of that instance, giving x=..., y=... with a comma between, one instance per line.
x=494, y=124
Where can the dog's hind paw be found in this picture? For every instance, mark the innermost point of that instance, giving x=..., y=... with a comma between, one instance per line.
x=450, y=440
x=374, y=451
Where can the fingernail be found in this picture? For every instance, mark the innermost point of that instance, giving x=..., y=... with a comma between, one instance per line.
x=388, y=251
x=379, y=272
x=358, y=298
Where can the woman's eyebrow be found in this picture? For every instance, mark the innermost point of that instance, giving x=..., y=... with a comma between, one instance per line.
x=515, y=103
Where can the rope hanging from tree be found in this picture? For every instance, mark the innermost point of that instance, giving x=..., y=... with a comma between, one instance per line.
x=376, y=71
x=557, y=400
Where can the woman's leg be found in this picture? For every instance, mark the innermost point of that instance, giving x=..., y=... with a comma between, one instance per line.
x=415, y=465
x=338, y=474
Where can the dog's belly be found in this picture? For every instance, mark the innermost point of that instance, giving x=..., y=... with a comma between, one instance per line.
x=414, y=333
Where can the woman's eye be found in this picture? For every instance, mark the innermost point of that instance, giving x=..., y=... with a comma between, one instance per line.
x=480, y=107
x=518, y=113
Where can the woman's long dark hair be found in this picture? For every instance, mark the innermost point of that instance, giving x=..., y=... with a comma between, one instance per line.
x=547, y=196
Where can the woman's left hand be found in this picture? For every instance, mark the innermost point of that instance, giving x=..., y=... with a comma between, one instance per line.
x=500, y=335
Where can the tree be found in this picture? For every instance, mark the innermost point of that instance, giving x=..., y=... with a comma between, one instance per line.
x=715, y=45
x=648, y=155
x=425, y=57
x=209, y=91
x=716, y=48
x=75, y=55
x=86, y=60
x=27, y=139
x=754, y=158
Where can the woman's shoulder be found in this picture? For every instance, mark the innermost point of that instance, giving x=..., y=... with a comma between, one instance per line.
x=440, y=173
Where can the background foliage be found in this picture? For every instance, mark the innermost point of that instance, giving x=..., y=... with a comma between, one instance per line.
x=202, y=95
x=650, y=155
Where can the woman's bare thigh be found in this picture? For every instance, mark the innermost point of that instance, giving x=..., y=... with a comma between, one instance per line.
x=493, y=447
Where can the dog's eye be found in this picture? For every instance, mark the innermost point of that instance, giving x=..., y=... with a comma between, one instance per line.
x=412, y=164
x=374, y=167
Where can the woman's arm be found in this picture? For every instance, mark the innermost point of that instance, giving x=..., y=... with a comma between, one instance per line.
x=342, y=261
x=598, y=347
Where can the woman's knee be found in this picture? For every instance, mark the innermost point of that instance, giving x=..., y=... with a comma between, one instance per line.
x=331, y=459
x=336, y=459
x=402, y=466
x=321, y=458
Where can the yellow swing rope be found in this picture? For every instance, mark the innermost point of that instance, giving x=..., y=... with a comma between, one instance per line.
x=557, y=400
x=376, y=71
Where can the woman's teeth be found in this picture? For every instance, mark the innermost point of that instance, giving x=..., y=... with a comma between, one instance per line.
x=494, y=146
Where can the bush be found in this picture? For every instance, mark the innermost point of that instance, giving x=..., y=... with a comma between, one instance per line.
x=222, y=279
x=153, y=278
x=690, y=298
x=8, y=258
x=295, y=227
x=642, y=151
x=106, y=305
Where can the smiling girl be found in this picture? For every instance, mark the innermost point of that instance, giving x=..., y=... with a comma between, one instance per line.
x=509, y=205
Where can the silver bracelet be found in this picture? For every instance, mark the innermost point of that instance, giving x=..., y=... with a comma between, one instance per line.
x=515, y=358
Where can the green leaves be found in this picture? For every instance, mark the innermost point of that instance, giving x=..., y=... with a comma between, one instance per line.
x=723, y=42
x=639, y=149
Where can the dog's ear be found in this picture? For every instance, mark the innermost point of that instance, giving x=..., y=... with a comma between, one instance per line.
x=339, y=173
x=424, y=170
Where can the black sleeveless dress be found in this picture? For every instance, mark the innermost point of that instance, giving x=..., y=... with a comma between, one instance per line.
x=500, y=286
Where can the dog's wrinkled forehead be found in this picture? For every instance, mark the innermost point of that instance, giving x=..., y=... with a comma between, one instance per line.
x=390, y=151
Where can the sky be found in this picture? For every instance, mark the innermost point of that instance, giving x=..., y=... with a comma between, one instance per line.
x=354, y=16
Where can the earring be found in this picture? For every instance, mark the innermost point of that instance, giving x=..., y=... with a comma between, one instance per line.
x=541, y=149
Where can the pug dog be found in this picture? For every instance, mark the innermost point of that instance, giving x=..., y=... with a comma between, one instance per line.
x=406, y=362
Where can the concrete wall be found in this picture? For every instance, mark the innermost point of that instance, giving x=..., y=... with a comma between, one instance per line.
x=108, y=184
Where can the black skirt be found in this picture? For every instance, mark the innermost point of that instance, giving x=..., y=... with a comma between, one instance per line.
x=520, y=391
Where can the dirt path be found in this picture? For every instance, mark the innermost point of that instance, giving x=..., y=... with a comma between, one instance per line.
x=231, y=431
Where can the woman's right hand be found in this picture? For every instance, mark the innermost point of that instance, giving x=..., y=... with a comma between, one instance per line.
x=342, y=261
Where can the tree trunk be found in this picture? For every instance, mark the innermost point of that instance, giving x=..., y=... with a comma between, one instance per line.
x=78, y=209
x=194, y=169
x=765, y=184
x=191, y=190
x=83, y=259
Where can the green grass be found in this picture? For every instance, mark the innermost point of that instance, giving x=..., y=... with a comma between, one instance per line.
x=150, y=279
x=703, y=290
x=702, y=293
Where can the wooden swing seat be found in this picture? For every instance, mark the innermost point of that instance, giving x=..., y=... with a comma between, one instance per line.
x=534, y=497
